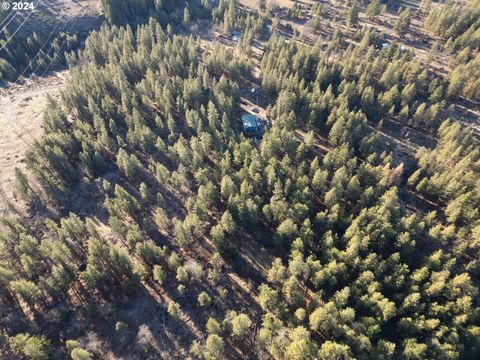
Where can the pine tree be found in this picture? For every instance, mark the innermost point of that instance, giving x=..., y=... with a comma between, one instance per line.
x=403, y=22
x=241, y=324
x=352, y=17
x=373, y=9
x=28, y=291
x=36, y=347
x=215, y=346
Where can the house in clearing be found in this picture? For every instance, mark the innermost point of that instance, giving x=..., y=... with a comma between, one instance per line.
x=250, y=124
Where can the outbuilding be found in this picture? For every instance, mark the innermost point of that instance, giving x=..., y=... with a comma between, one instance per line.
x=236, y=35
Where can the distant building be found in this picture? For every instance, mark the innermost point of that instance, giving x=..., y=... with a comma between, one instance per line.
x=250, y=124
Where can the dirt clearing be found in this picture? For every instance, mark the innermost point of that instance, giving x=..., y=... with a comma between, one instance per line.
x=61, y=15
x=21, y=123
x=255, y=4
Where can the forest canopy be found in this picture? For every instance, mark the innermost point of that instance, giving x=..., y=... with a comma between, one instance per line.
x=157, y=227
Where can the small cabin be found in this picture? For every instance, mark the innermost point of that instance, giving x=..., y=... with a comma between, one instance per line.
x=250, y=124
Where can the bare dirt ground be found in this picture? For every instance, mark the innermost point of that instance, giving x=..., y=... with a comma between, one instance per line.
x=61, y=15
x=20, y=123
x=254, y=4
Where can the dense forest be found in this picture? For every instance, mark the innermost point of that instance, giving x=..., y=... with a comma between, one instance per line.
x=33, y=54
x=459, y=27
x=154, y=228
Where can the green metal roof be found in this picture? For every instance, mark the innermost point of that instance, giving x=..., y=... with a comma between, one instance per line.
x=249, y=122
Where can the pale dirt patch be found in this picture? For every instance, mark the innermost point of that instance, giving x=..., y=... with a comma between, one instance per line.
x=21, y=110
x=75, y=16
x=254, y=4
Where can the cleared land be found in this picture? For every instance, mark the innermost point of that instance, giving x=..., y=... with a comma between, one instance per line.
x=62, y=15
x=20, y=123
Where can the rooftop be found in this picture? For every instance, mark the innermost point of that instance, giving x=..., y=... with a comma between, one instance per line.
x=250, y=122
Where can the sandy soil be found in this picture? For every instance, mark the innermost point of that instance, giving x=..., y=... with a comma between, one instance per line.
x=253, y=4
x=78, y=16
x=21, y=123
